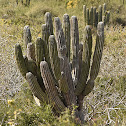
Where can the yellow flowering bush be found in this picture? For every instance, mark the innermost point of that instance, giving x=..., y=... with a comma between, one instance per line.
x=72, y=3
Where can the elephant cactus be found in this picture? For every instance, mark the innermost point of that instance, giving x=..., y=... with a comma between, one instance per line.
x=58, y=67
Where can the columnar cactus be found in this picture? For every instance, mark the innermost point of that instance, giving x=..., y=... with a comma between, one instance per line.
x=92, y=16
x=52, y=75
x=27, y=2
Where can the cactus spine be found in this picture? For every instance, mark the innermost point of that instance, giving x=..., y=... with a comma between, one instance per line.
x=48, y=67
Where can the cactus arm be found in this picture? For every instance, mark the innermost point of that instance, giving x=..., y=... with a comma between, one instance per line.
x=45, y=39
x=107, y=17
x=32, y=67
x=87, y=16
x=91, y=16
x=94, y=17
x=39, y=51
x=30, y=51
x=46, y=44
x=50, y=87
x=100, y=13
x=48, y=21
x=58, y=27
x=20, y=60
x=44, y=33
x=66, y=29
x=27, y=35
x=54, y=59
x=87, y=51
x=98, y=51
x=88, y=88
x=75, y=46
x=35, y=87
x=65, y=89
x=84, y=13
x=80, y=59
x=104, y=8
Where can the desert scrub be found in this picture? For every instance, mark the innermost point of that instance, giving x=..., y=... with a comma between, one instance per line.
x=21, y=112
x=71, y=3
x=110, y=105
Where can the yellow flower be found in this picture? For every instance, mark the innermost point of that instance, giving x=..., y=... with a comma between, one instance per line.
x=10, y=102
x=19, y=110
x=74, y=5
x=68, y=7
x=11, y=123
x=69, y=3
x=7, y=112
x=15, y=112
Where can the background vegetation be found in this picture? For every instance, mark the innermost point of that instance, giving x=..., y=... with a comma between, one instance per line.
x=106, y=105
